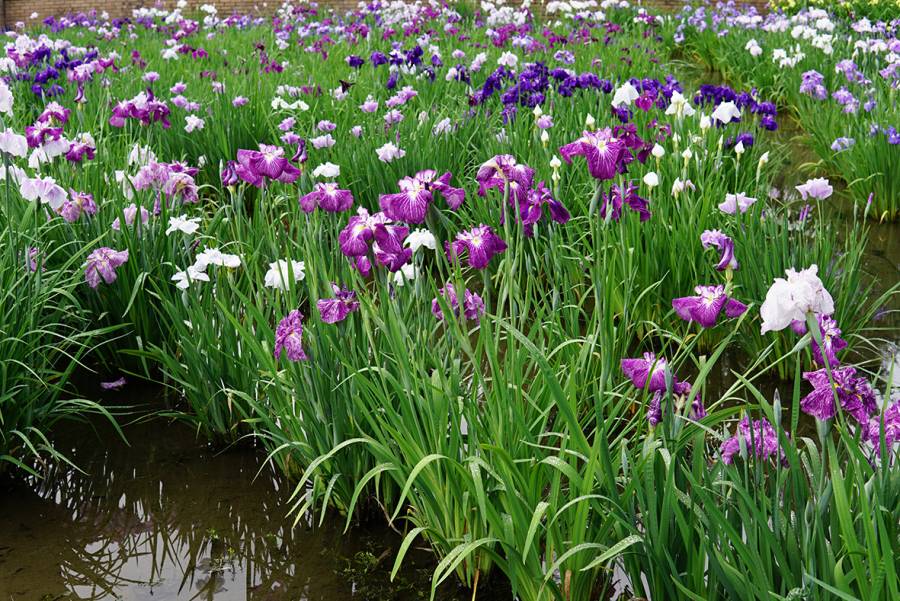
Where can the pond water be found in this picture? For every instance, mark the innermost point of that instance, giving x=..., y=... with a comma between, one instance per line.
x=164, y=517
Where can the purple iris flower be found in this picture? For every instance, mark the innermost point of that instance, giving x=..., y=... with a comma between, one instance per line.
x=812, y=85
x=76, y=204
x=388, y=246
x=355, y=237
x=142, y=107
x=624, y=194
x=842, y=143
x=268, y=162
x=501, y=171
x=229, y=174
x=605, y=154
x=300, y=155
x=289, y=337
x=480, y=242
x=854, y=394
x=759, y=438
x=328, y=197
x=890, y=423
x=417, y=193
x=531, y=210
x=717, y=239
x=102, y=264
x=831, y=341
x=78, y=150
x=333, y=310
x=680, y=392
x=647, y=371
x=40, y=132
x=54, y=111
x=473, y=305
x=707, y=305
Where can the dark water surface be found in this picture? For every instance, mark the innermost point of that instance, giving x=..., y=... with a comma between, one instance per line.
x=167, y=518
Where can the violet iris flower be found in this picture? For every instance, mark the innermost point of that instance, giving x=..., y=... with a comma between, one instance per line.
x=480, y=242
x=502, y=170
x=831, y=341
x=333, y=310
x=54, y=111
x=854, y=394
x=531, y=210
x=300, y=155
x=812, y=85
x=76, y=204
x=717, y=239
x=254, y=167
x=472, y=305
x=289, y=337
x=388, y=246
x=707, y=305
x=679, y=392
x=229, y=174
x=759, y=438
x=328, y=197
x=142, y=107
x=78, y=150
x=647, y=371
x=891, y=425
x=417, y=194
x=604, y=153
x=40, y=132
x=624, y=194
x=102, y=264
x=355, y=237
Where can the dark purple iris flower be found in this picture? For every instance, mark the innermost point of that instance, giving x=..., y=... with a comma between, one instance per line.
x=355, y=237
x=707, y=305
x=102, y=264
x=503, y=172
x=388, y=247
x=604, y=153
x=621, y=195
x=143, y=107
x=54, y=113
x=229, y=174
x=78, y=151
x=481, y=244
x=41, y=132
x=680, y=393
x=531, y=210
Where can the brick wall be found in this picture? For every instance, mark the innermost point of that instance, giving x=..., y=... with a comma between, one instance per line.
x=21, y=10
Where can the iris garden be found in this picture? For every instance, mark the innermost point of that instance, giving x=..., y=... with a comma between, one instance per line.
x=576, y=298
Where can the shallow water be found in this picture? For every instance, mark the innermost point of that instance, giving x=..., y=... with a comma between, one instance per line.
x=167, y=518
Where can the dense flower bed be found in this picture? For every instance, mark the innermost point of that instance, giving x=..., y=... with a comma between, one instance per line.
x=839, y=77
x=475, y=269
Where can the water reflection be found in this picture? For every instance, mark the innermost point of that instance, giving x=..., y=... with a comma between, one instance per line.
x=166, y=518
